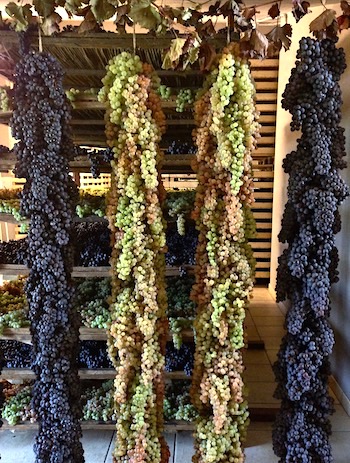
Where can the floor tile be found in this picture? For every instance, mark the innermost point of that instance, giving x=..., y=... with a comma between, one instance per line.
x=267, y=332
x=96, y=445
x=255, y=356
x=252, y=333
x=272, y=342
x=262, y=392
x=268, y=321
x=258, y=373
x=271, y=310
x=184, y=447
x=340, y=419
x=258, y=448
x=340, y=442
x=272, y=355
x=17, y=446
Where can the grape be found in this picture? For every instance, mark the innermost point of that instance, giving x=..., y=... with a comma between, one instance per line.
x=40, y=124
x=4, y=99
x=164, y=92
x=96, y=158
x=179, y=359
x=179, y=204
x=177, y=402
x=307, y=267
x=181, y=248
x=13, y=307
x=183, y=98
x=93, y=355
x=137, y=335
x=93, y=244
x=226, y=133
x=17, y=407
x=181, y=147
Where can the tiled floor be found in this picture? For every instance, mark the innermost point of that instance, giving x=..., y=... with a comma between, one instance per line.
x=264, y=321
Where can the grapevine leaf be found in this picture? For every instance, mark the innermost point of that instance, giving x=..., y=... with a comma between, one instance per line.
x=122, y=19
x=207, y=55
x=172, y=57
x=300, y=9
x=259, y=44
x=72, y=6
x=191, y=50
x=89, y=23
x=274, y=11
x=280, y=36
x=22, y=15
x=102, y=9
x=249, y=13
x=345, y=6
x=214, y=9
x=343, y=22
x=51, y=24
x=323, y=21
x=206, y=29
x=44, y=7
x=145, y=14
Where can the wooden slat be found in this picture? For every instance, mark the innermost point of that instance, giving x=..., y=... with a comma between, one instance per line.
x=266, y=245
x=85, y=272
x=262, y=274
x=269, y=62
x=263, y=194
x=263, y=265
x=266, y=96
x=263, y=74
x=261, y=85
x=262, y=185
x=262, y=254
x=264, y=205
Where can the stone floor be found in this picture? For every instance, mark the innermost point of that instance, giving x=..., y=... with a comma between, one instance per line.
x=264, y=321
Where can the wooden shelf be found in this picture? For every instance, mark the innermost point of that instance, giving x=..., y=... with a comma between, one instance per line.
x=15, y=374
x=87, y=272
x=86, y=334
x=169, y=426
x=9, y=218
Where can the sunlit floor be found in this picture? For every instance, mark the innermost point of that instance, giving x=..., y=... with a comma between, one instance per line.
x=264, y=321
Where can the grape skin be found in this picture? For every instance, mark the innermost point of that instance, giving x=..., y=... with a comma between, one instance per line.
x=226, y=133
x=307, y=267
x=40, y=123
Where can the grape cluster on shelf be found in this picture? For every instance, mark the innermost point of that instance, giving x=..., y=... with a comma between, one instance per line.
x=4, y=99
x=93, y=247
x=93, y=355
x=226, y=134
x=14, y=251
x=17, y=407
x=181, y=310
x=40, y=123
x=181, y=147
x=179, y=359
x=97, y=158
x=16, y=354
x=91, y=203
x=183, y=98
x=98, y=403
x=177, y=402
x=307, y=268
x=92, y=301
x=179, y=204
x=137, y=335
x=164, y=92
x=13, y=306
x=181, y=247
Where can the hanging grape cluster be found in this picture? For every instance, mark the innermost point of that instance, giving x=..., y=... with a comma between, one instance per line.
x=226, y=134
x=40, y=123
x=307, y=268
x=137, y=337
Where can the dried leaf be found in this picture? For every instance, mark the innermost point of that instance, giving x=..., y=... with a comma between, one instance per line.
x=207, y=55
x=249, y=13
x=145, y=14
x=51, y=24
x=259, y=44
x=89, y=24
x=345, y=6
x=102, y=9
x=190, y=50
x=300, y=9
x=172, y=56
x=72, y=6
x=44, y=8
x=280, y=36
x=22, y=15
x=274, y=11
x=343, y=22
x=323, y=21
x=207, y=29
